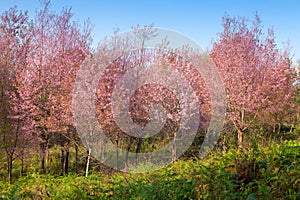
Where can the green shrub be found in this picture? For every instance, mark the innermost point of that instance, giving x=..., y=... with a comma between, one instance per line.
x=261, y=172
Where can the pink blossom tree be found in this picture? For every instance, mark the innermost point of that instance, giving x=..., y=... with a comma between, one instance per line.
x=15, y=128
x=257, y=76
x=59, y=46
x=143, y=98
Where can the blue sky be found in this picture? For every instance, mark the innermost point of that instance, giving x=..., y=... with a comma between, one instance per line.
x=200, y=20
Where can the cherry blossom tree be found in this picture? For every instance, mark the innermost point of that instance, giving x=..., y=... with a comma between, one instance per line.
x=59, y=46
x=15, y=127
x=143, y=98
x=258, y=77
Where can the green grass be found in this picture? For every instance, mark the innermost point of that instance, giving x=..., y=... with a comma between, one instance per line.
x=271, y=172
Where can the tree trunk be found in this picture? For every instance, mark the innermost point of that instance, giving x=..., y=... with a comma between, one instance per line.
x=292, y=127
x=274, y=128
x=22, y=167
x=62, y=160
x=66, y=169
x=76, y=158
x=138, y=149
x=174, y=148
x=128, y=149
x=117, y=152
x=44, y=153
x=240, y=139
x=43, y=169
x=9, y=168
x=46, y=159
x=279, y=127
x=239, y=135
x=65, y=160
x=88, y=162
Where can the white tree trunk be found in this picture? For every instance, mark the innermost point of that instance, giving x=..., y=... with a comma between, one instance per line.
x=88, y=162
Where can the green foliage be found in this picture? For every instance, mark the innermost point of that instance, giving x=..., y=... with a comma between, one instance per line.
x=263, y=172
